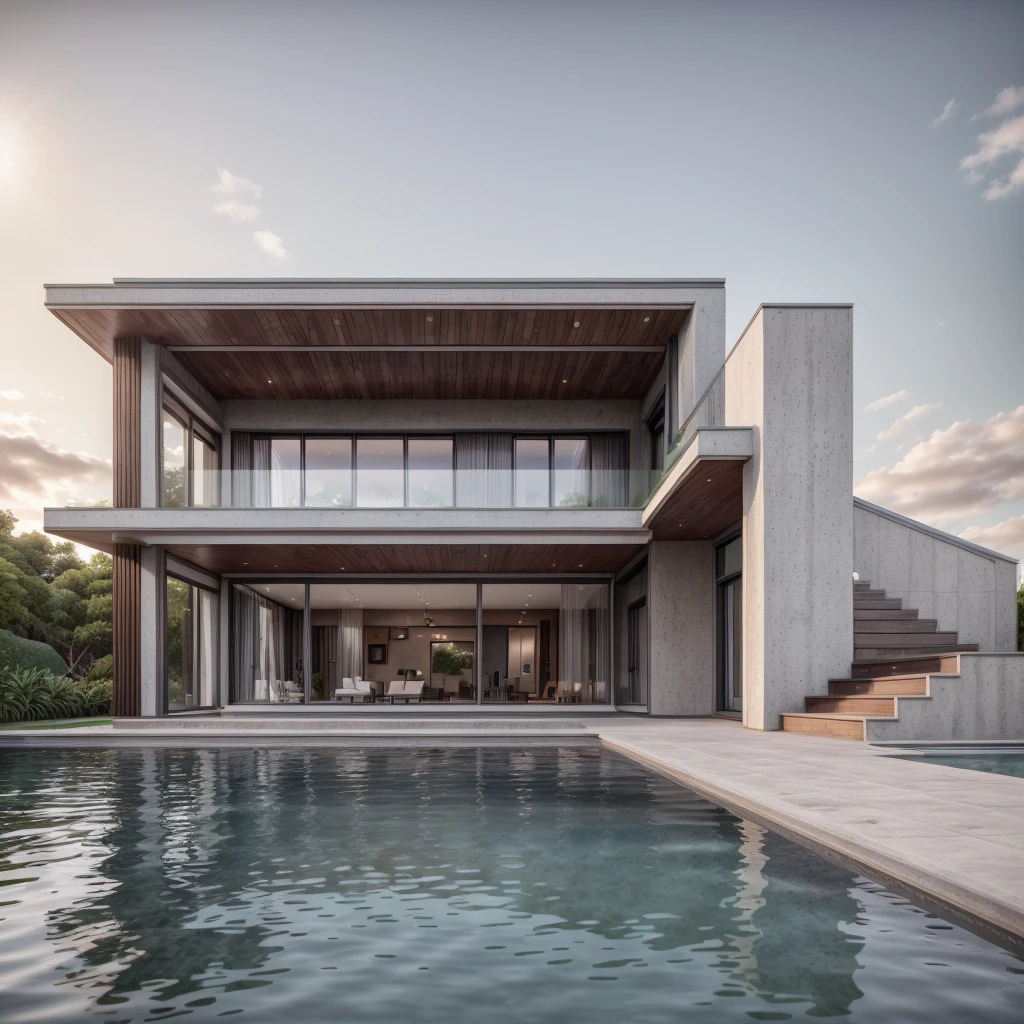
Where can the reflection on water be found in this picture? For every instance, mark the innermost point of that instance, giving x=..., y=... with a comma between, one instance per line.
x=441, y=885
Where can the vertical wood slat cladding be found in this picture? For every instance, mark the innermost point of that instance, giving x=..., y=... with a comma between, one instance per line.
x=127, y=423
x=127, y=631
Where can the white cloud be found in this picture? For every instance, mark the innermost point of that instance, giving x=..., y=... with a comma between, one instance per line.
x=1005, y=140
x=242, y=212
x=1006, y=102
x=964, y=470
x=881, y=403
x=1007, y=536
x=229, y=184
x=947, y=112
x=271, y=243
x=11, y=395
x=897, y=426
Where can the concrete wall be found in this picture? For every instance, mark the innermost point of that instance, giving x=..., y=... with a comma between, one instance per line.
x=984, y=702
x=680, y=609
x=790, y=377
x=701, y=350
x=968, y=590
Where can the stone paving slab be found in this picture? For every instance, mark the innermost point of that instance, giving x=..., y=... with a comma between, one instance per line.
x=947, y=836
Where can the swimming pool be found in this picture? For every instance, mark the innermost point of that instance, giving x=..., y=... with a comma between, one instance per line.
x=1009, y=763
x=535, y=885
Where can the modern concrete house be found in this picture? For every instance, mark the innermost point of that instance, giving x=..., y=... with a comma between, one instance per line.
x=341, y=496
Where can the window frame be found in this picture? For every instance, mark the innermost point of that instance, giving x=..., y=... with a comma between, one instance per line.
x=170, y=403
x=215, y=689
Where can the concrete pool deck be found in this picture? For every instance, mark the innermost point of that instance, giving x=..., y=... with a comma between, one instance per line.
x=947, y=837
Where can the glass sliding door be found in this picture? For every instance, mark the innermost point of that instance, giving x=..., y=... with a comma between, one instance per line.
x=729, y=585
x=174, y=428
x=431, y=472
x=267, y=642
x=192, y=645
x=380, y=472
x=532, y=472
x=205, y=468
x=571, y=471
x=328, y=472
x=585, y=627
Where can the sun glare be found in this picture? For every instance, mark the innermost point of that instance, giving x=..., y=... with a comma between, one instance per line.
x=12, y=154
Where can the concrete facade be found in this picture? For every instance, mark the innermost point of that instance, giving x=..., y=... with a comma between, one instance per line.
x=967, y=589
x=790, y=378
x=682, y=628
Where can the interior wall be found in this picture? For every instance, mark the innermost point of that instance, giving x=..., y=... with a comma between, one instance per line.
x=680, y=613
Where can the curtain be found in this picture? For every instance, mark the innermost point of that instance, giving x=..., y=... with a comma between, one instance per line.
x=208, y=613
x=259, y=646
x=350, y=643
x=609, y=473
x=260, y=484
x=483, y=470
x=584, y=632
x=241, y=470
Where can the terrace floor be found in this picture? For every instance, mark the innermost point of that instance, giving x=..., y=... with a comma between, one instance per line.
x=948, y=837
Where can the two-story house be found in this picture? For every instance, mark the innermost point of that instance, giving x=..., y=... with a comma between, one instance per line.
x=531, y=495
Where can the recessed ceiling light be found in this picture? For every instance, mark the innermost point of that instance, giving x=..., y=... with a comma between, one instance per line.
x=269, y=381
x=575, y=323
x=430, y=319
x=337, y=322
x=581, y=565
x=647, y=319
x=709, y=479
x=564, y=381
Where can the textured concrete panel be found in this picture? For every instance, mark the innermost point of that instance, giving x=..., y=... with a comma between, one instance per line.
x=975, y=573
x=976, y=618
x=984, y=702
x=947, y=568
x=893, y=556
x=790, y=376
x=681, y=623
x=1006, y=607
x=922, y=562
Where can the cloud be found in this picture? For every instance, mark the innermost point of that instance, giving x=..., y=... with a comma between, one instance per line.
x=1006, y=537
x=1006, y=102
x=11, y=395
x=947, y=112
x=34, y=473
x=1005, y=140
x=271, y=243
x=897, y=426
x=229, y=184
x=964, y=470
x=881, y=403
x=242, y=212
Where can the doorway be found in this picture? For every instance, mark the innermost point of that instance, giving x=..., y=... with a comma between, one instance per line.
x=729, y=586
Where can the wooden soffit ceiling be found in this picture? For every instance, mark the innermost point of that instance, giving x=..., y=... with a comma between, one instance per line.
x=399, y=558
x=400, y=353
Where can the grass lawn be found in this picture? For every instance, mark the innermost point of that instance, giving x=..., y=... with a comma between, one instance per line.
x=57, y=723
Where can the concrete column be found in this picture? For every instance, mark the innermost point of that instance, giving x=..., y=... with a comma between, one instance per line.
x=700, y=351
x=151, y=397
x=680, y=615
x=151, y=631
x=224, y=674
x=790, y=377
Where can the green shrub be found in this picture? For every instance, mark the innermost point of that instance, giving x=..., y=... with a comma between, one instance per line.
x=16, y=652
x=31, y=694
x=102, y=668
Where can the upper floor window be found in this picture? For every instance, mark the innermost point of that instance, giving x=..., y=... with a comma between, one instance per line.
x=467, y=470
x=190, y=458
x=656, y=435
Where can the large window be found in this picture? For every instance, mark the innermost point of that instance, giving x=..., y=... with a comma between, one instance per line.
x=192, y=645
x=468, y=470
x=190, y=458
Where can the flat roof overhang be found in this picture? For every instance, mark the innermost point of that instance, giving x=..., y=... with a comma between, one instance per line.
x=598, y=339
x=701, y=494
x=367, y=541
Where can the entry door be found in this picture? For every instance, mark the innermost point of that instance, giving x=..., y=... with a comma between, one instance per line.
x=636, y=665
x=731, y=604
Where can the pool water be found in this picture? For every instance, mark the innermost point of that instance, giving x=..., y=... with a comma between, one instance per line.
x=470, y=884
x=998, y=764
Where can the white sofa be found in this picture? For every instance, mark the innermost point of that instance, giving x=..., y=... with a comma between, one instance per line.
x=405, y=690
x=354, y=689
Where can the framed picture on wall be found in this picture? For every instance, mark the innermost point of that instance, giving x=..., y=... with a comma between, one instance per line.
x=377, y=654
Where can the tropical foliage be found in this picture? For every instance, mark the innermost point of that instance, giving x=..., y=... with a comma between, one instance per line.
x=50, y=595
x=450, y=660
x=20, y=652
x=32, y=694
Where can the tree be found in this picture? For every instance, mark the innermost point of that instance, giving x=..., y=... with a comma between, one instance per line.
x=449, y=660
x=13, y=613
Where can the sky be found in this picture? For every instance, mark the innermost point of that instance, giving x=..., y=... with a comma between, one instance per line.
x=812, y=151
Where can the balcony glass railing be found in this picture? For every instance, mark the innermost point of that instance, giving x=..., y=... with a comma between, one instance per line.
x=385, y=489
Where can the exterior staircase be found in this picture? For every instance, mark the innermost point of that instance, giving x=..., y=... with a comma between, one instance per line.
x=894, y=652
